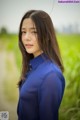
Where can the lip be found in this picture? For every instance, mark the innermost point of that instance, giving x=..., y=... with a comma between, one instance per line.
x=28, y=45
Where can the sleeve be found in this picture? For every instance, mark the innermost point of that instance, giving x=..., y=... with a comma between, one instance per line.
x=49, y=95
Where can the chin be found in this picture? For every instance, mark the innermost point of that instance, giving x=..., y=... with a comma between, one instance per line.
x=29, y=51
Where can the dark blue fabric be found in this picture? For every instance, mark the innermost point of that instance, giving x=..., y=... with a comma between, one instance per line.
x=41, y=93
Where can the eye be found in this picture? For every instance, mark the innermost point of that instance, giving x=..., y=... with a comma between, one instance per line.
x=34, y=32
x=23, y=32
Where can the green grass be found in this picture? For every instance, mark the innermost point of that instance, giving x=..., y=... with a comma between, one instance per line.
x=70, y=50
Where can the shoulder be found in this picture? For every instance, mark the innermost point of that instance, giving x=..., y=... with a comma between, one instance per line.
x=48, y=68
x=51, y=74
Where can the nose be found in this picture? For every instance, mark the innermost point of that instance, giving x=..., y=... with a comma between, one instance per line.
x=27, y=36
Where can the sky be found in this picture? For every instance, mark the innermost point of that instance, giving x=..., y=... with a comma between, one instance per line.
x=62, y=14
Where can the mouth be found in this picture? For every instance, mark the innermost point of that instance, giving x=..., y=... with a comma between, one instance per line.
x=28, y=45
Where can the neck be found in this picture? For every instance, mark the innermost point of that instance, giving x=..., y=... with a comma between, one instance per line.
x=39, y=53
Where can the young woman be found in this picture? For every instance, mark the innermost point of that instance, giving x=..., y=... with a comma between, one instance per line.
x=42, y=83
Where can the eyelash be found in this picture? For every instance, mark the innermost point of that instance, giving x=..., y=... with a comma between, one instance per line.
x=31, y=32
x=23, y=32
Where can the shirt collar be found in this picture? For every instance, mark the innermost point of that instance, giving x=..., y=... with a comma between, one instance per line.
x=35, y=62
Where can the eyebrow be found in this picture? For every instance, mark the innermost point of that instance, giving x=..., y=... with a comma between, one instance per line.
x=31, y=28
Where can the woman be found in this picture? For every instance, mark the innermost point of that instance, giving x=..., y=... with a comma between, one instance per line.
x=41, y=84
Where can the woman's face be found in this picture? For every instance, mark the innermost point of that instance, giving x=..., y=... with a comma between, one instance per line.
x=30, y=37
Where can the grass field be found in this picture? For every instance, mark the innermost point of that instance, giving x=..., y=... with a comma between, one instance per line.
x=10, y=64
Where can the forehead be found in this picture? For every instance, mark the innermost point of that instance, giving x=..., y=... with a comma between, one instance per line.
x=28, y=24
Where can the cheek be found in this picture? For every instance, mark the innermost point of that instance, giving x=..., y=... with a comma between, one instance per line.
x=37, y=44
x=22, y=37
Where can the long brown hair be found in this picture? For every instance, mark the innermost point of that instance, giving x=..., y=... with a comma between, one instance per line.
x=46, y=38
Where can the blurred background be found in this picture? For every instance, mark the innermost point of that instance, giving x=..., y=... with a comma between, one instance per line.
x=66, y=20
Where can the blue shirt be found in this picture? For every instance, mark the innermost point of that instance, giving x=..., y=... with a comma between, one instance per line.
x=41, y=93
